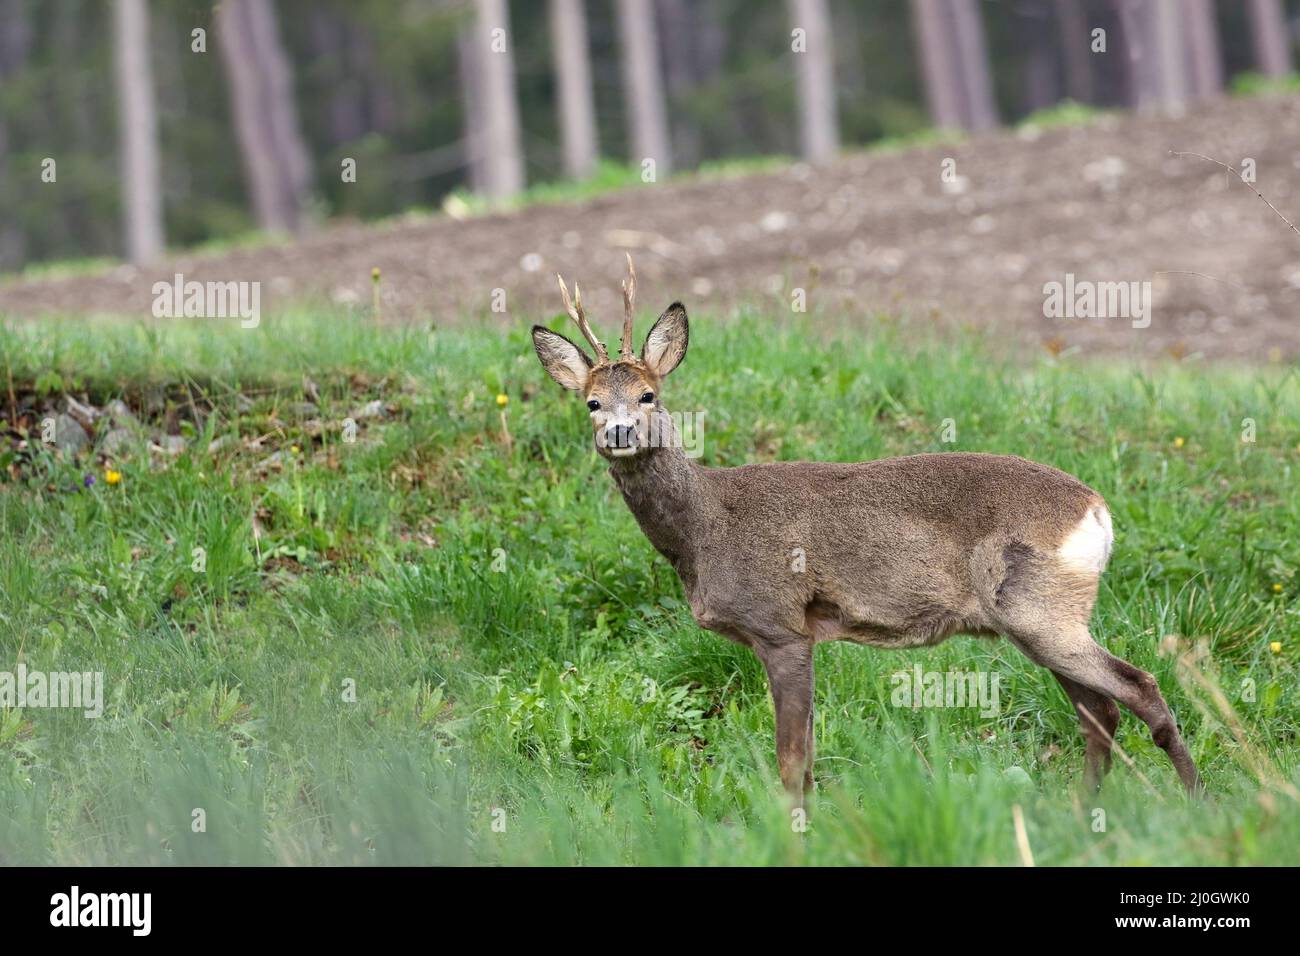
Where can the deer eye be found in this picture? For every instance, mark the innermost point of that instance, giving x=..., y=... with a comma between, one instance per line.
x=593, y=404
x=648, y=398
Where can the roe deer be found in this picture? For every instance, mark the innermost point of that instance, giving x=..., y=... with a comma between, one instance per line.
x=901, y=552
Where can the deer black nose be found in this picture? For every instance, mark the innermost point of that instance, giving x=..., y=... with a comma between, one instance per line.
x=620, y=436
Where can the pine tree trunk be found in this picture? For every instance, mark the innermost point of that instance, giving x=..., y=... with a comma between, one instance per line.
x=1041, y=86
x=815, y=81
x=138, y=133
x=503, y=154
x=643, y=87
x=981, y=112
x=685, y=21
x=275, y=158
x=15, y=43
x=932, y=22
x=1155, y=37
x=1165, y=22
x=469, y=71
x=1269, y=37
x=1204, y=61
x=572, y=57
x=330, y=44
x=1076, y=40
x=1148, y=60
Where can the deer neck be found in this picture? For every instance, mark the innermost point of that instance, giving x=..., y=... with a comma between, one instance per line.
x=666, y=494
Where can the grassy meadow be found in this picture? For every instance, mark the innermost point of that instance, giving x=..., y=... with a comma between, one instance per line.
x=439, y=636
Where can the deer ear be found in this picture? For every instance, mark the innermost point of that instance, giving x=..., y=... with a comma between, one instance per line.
x=665, y=346
x=563, y=361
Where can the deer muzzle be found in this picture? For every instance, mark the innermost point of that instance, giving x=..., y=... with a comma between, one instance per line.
x=620, y=439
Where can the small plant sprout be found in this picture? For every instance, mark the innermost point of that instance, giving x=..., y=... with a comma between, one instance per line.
x=503, y=403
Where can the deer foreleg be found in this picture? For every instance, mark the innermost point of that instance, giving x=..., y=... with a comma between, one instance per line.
x=790, y=677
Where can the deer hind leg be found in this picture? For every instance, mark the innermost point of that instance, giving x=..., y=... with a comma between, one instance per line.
x=1098, y=718
x=1072, y=653
x=790, y=676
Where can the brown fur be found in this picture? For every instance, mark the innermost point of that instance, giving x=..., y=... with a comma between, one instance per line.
x=901, y=552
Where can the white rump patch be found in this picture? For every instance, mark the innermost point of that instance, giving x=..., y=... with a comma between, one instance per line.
x=1088, y=546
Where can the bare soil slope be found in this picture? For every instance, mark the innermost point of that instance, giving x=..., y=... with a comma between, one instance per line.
x=876, y=232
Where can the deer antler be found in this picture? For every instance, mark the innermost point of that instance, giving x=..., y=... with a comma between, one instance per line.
x=576, y=313
x=629, y=298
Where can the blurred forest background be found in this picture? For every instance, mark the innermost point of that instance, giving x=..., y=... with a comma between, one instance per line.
x=175, y=123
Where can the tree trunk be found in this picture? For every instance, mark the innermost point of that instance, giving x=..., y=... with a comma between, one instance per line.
x=15, y=43
x=977, y=82
x=328, y=35
x=1123, y=84
x=13, y=245
x=1075, y=50
x=1166, y=25
x=1153, y=38
x=819, y=136
x=15, y=36
x=469, y=71
x=958, y=85
x=1156, y=35
x=258, y=72
x=709, y=51
x=573, y=80
x=1041, y=86
x=1204, y=61
x=932, y=22
x=1269, y=37
x=503, y=153
x=138, y=133
x=643, y=88
x=685, y=21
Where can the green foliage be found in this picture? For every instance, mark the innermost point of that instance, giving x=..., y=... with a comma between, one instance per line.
x=1257, y=84
x=609, y=177
x=1065, y=113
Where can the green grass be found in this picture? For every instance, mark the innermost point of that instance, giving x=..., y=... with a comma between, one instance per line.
x=60, y=269
x=55, y=269
x=612, y=177
x=1064, y=113
x=520, y=654
x=609, y=177
x=1257, y=84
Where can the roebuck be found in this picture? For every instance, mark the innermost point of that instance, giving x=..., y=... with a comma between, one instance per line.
x=901, y=552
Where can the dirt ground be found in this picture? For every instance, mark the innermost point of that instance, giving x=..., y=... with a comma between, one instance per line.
x=876, y=232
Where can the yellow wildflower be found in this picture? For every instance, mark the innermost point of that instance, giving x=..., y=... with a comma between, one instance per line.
x=1275, y=647
x=503, y=399
x=1179, y=442
x=111, y=476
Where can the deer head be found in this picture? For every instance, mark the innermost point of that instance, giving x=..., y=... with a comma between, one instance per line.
x=622, y=394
